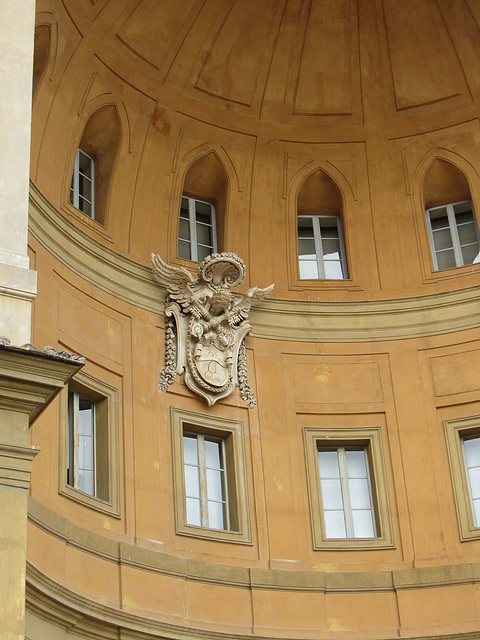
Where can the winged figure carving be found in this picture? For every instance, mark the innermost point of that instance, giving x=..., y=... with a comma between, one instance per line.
x=206, y=325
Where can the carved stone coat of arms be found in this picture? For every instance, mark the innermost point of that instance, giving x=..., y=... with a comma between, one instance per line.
x=205, y=326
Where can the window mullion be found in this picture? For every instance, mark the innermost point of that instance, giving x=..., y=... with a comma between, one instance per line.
x=76, y=440
x=223, y=462
x=193, y=229
x=347, y=503
x=317, y=235
x=202, y=469
x=452, y=223
x=76, y=180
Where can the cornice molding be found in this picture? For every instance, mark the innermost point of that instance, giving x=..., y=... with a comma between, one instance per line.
x=293, y=320
x=152, y=561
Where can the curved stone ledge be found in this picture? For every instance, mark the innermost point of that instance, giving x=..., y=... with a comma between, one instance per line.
x=304, y=321
x=64, y=608
x=130, y=555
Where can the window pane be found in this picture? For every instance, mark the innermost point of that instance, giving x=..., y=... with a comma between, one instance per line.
x=442, y=239
x=305, y=228
x=308, y=270
x=184, y=209
x=446, y=259
x=359, y=493
x=85, y=207
x=363, y=524
x=331, y=494
x=203, y=252
x=85, y=421
x=306, y=249
x=85, y=481
x=212, y=454
x=85, y=164
x=439, y=218
x=334, y=524
x=192, y=481
x=472, y=451
x=463, y=207
x=331, y=249
x=356, y=464
x=464, y=220
x=184, y=230
x=194, y=515
x=85, y=452
x=470, y=254
x=190, y=450
x=203, y=212
x=333, y=270
x=215, y=515
x=204, y=235
x=328, y=227
x=184, y=250
x=476, y=512
x=214, y=484
x=474, y=475
x=328, y=464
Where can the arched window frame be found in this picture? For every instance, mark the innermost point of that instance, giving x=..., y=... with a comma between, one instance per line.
x=346, y=218
x=415, y=186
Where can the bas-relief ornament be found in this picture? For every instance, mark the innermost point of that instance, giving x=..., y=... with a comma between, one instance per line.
x=205, y=326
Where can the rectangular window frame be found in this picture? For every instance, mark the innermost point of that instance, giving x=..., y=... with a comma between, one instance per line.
x=230, y=432
x=453, y=228
x=106, y=495
x=317, y=237
x=456, y=430
x=77, y=197
x=192, y=226
x=369, y=438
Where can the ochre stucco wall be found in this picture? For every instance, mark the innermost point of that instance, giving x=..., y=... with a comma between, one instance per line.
x=370, y=93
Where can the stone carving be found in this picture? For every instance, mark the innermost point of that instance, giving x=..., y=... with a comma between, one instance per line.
x=49, y=351
x=205, y=326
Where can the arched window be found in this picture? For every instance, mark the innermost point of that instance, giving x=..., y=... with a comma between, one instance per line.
x=321, y=249
x=451, y=220
x=202, y=209
x=94, y=162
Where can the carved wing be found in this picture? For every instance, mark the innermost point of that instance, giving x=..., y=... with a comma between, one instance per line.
x=175, y=279
x=241, y=308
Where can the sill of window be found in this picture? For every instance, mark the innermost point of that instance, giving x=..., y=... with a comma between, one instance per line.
x=448, y=274
x=216, y=535
x=90, y=501
x=319, y=284
x=354, y=544
x=89, y=223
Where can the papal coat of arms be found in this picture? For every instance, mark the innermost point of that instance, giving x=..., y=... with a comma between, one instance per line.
x=205, y=326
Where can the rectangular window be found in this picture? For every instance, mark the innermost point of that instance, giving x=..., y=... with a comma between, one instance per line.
x=88, y=470
x=321, y=252
x=205, y=481
x=82, y=188
x=210, y=477
x=81, y=470
x=471, y=452
x=453, y=235
x=463, y=444
x=196, y=234
x=346, y=492
x=347, y=488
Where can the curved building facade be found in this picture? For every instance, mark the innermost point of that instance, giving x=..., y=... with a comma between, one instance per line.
x=334, y=146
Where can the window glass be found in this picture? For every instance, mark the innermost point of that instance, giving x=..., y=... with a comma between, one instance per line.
x=196, y=234
x=453, y=235
x=346, y=493
x=320, y=248
x=82, y=185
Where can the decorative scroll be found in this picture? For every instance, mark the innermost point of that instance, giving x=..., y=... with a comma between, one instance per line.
x=205, y=326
